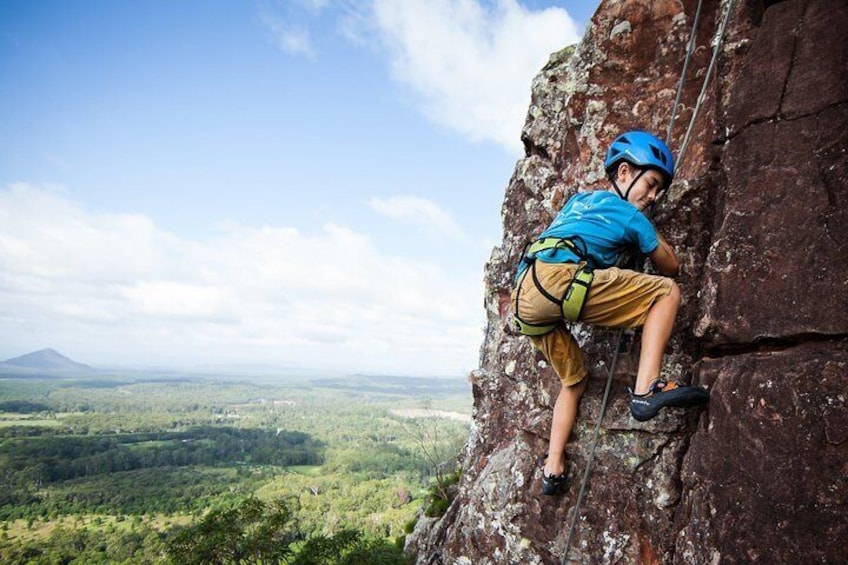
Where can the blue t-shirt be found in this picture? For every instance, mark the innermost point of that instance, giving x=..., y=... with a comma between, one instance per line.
x=605, y=223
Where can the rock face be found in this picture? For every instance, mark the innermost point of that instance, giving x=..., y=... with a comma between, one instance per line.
x=759, y=217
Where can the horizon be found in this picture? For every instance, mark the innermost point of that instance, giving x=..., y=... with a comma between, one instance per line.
x=299, y=183
x=246, y=370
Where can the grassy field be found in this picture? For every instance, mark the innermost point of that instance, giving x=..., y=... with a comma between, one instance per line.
x=9, y=420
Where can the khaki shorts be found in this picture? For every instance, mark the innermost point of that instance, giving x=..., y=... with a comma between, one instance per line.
x=618, y=298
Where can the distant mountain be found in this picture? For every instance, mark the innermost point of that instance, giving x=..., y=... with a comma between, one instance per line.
x=48, y=359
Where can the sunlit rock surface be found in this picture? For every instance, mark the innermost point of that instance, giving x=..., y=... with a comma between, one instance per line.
x=759, y=216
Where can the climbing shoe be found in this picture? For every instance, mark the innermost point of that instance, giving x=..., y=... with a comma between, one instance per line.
x=551, y=484
x=663, y=393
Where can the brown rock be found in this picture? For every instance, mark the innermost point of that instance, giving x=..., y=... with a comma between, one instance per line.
x=766, y=475
x=818, y=78
x=777, y=267
x=758, y=217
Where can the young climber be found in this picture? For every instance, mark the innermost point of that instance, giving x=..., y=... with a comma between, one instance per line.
x=568, y=274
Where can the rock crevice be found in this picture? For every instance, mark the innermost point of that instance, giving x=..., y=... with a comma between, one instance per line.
x=770, y=344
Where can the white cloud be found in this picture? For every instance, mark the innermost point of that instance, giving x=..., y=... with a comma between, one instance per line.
x=467, y=63
x=293, y=39
x=116, y=288
x=172, y=299
x=420, y=212
x=471, y=65
x=289, y=24
x=316, y=5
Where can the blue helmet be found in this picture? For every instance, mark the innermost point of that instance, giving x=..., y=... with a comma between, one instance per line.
x=643, y=150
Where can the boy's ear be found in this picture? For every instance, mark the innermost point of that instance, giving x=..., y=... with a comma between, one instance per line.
x=623, y=171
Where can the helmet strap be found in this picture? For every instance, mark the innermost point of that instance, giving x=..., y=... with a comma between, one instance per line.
x=618, y=190
x=629, y=188
x=633, y=182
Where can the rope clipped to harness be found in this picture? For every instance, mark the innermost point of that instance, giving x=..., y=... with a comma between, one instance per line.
x=571, y=303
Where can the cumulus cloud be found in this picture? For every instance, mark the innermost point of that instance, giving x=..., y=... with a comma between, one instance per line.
x=117, y=288
x=470, y=64
x=419, y=212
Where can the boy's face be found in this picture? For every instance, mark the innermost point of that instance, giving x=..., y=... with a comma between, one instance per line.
x=646, y=189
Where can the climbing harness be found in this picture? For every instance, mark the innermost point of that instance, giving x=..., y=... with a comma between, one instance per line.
x=717, y=41
x=571, y=303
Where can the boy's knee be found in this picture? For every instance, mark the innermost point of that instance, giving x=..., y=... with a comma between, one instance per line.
x=674, y=293
x=579, y=387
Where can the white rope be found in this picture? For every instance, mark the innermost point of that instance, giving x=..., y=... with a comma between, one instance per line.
x=717, y=41
x=689, y=50
x=591, y=457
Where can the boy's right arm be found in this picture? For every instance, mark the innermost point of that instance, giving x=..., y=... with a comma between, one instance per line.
x=664, y=259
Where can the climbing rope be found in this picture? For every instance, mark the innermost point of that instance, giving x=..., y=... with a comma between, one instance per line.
x=717, y=41
x=591, y=457
x=689, y=50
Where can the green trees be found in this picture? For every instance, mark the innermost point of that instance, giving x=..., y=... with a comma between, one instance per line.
x=49, y=459
x=24, y=406
x=64, y=545
x=249, y=532
x=117, y=472
x=441, y=450
x=254, y=532
x=350, y=547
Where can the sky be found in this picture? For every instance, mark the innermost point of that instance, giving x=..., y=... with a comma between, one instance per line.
x=308, y=184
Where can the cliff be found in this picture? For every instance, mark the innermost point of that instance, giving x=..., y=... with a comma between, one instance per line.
x=758, y=217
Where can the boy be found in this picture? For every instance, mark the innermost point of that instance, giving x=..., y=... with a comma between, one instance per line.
x=574, y=259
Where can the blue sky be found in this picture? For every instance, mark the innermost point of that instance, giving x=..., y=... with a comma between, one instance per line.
x=302, y=183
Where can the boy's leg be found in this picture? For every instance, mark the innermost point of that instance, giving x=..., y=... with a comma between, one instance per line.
x=565, y=413
x=655, y=335
x=627, y=299
x=564, y=355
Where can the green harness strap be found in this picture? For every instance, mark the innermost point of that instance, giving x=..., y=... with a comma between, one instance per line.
x=575, y=296
x=571, y=303
x=549, y=243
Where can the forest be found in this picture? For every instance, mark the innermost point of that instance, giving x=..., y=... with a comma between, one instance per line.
x=151, y=468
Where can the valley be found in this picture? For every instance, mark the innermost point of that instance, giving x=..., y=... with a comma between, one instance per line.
x=104, y=467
